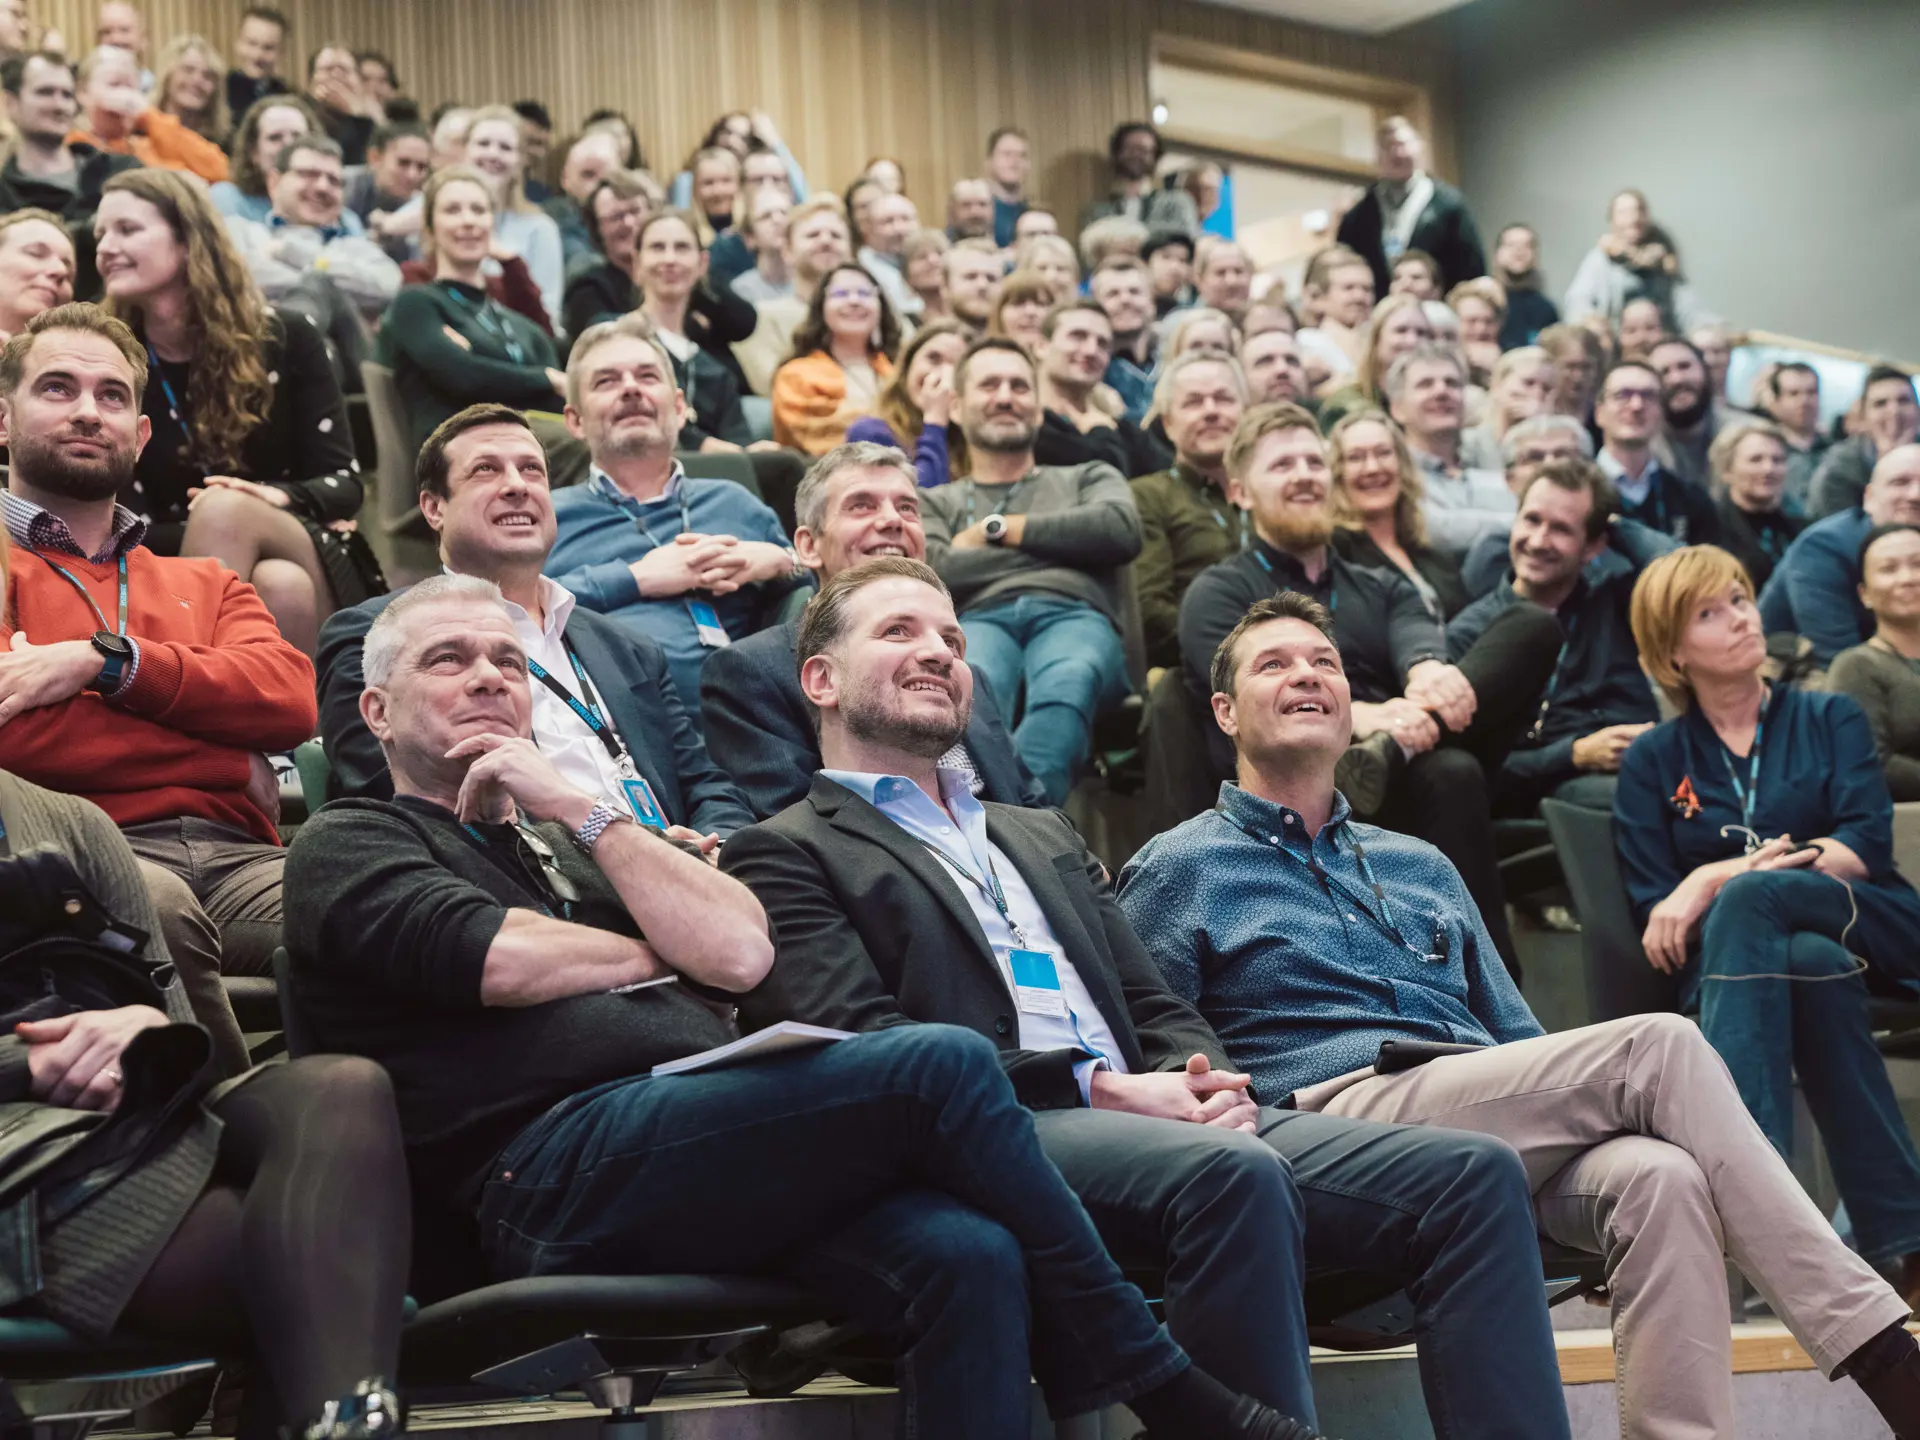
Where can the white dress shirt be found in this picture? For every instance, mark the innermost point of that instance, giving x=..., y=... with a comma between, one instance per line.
x=563, y=737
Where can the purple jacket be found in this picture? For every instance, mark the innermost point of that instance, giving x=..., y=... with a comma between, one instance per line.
x=929, y=451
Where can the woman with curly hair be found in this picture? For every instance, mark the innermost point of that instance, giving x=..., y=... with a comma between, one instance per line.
x=267, y=126
x=250, y=459
x=842, y=358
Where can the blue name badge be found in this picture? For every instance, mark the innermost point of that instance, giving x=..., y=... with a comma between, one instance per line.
x=640, y=800
x=706, y=624
x=1036, y=983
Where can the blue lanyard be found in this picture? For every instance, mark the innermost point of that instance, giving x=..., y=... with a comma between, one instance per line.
x=1333, y=595
x=973, y=491
x=1749, y=793
x=98, y=614
x=587, y=711
x=486, y=316
x=176, y=412
x=990, y=887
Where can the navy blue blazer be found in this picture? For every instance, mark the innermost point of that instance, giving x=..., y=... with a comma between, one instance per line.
x=627, y=668
x=760, y=729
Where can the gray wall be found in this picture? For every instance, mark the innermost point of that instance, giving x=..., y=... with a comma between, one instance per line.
x=1777, y=140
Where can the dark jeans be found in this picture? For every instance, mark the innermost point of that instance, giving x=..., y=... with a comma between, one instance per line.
x=894, y=1174
x=1766, y=926
x=1223, y=1215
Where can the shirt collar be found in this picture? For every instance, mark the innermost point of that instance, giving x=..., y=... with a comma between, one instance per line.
x=1616, y=472
x=603, y=482
x=327, y=233
x=1269, y=818
x=880, y=790
x=32, y=527
x=556, y=602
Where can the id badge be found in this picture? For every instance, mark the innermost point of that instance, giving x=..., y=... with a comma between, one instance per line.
x=1036, y=983
x=706, y=625
x=640, y=800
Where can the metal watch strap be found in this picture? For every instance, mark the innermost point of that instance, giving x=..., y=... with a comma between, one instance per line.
x=598, y=819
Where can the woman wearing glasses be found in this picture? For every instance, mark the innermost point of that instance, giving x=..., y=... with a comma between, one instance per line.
x=1756, y=840
x=842, y=359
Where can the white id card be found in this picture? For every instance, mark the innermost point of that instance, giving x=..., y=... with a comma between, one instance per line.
x=1036, y=983
x=706, y=625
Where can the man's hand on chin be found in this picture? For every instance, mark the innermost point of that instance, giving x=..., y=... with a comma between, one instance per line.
x=509, y=771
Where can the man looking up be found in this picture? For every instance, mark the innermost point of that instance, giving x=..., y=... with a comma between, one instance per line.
x=1599, y=700
x=1426, y=390
x=1313, y=939
x=1034, y=556
x=858, y=502
x=998, y=920
x=604, y=708
x=691, y=563
x=1627, y=413
x=1186, y=520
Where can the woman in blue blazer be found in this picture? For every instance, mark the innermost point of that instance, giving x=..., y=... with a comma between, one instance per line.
x=1756, y=839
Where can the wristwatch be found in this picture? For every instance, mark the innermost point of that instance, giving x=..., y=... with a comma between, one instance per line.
x=117, y=653
x=994, y=527
x=594, y=826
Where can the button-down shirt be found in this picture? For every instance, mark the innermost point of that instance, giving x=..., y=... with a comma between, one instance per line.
x=958, y=835
x=1462, y=503
x=33, y=527
x=1661, y=499
x=1302, y=976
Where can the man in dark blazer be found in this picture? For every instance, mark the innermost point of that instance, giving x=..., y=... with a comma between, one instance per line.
x=483, y=489
x=895, y=897
x=1408, y=209
x=857, y=502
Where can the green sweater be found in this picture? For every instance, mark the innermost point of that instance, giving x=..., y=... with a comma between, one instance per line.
x=505, y=359
x=1186, y=524
x=1888, y=689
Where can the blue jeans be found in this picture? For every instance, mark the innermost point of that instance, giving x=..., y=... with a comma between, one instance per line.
x=1788, y=923
x=894, y=1174
x=1067, y=655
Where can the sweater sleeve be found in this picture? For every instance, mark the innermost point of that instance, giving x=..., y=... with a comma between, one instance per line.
x=1153, y=580
x=1101, y=530
x=1820, y=588
x=1858, y=673
x=361, y=271
x=1862, y=809
x=417, y=329
x=807, y=401
x=324, y=479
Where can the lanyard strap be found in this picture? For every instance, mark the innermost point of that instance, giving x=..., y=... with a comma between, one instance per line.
x=98, y=613
x=549, y=881
x=585, y=709
x=990, y=887
x=973, y=490
x=1384, y=921
x=1333, y=595
x=1553, y=680
x=686, y=516
x=483, y=314
x=1749, y=793
x=176, y=412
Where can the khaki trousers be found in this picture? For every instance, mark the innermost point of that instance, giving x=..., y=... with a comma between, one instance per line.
x=1638, y=1149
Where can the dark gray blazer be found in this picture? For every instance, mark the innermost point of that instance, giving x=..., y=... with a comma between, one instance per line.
x=761, y=732
x=871, y=931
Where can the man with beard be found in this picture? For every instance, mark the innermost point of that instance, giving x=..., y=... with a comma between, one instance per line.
x=1075, y=354
x=899, y=903
x=1693, y=414
x=1429, y=734
x=858, y=502
x=1186, y=521
x=604, y=709
x=1035, y=558
x=1516, y=265
x=694, y=564
x=1426, y=390
x=1121, y=287
x=149, y=686
x=1134, y=151
x=817, y=241
x=1627, y=413
x=973, y=281
x=1599, y=700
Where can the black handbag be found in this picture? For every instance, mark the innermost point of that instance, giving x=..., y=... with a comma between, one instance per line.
x=60, y=950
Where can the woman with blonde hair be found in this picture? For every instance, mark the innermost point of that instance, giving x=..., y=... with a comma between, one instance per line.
x=1756, y=841
x=1053, y=259
x=1399, y=323
x=1201, y=328
x=250, y=459
x=1748, y=460
x=918, y=401
x=1378, y=517
x=1521, y=386
x=496, y=147
x=1481, y=305
x=189, y=83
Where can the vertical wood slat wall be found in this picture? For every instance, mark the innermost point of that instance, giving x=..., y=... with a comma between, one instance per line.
x=921, y=80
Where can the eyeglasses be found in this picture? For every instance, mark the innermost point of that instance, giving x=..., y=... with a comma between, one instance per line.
x=1634, y=397
x=858, y=293
x=531, y=845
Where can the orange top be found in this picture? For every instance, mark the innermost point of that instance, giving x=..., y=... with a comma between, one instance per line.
x=164, y=142
x=811, y=408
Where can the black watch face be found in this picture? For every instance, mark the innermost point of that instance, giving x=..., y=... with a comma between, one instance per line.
x=108, y=643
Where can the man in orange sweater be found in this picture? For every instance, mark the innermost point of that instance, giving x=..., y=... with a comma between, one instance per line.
x=150, y=686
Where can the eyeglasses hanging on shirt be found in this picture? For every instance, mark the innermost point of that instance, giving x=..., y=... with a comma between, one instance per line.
x=537, y=866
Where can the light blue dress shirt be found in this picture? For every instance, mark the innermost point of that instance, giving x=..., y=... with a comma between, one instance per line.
x=958, y=835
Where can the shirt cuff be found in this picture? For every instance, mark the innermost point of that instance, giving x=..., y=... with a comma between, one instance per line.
x=1083, y=1076
x=126, y=676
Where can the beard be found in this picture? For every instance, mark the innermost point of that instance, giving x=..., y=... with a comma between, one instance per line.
x=46, y=465
x=1295, y=530
x=1688, y=417
x=1006, y=438
x=869, y=712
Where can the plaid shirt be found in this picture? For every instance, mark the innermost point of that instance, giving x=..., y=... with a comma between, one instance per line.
x=33, y=528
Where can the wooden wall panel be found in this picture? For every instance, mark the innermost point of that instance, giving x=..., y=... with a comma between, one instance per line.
x=922, y=80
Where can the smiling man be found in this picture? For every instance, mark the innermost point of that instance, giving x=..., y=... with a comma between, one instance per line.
x=1599, y=700
x=1310, y=941
x=857, y=503
x=310, y=237
x=1426, y=390
x=605, y=712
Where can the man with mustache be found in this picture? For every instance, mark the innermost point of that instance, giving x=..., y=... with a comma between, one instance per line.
x=1186, y=520
x=1034, y=556
x=1429, y=734
x=899, y=903
x=1693, y=413
x=605, y=712
x=858, y=502
x=149, y=686
x=694, y=564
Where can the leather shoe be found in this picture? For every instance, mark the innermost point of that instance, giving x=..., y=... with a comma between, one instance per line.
x=1365, y=771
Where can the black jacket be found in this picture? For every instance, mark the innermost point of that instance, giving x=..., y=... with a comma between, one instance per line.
x=18, y=190
x=760, y=729
x=871, y=931
x=627, y=668
x=1127, y=447
x=1445, y=230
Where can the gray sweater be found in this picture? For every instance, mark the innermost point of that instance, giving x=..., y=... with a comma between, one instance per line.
x=1082, y=528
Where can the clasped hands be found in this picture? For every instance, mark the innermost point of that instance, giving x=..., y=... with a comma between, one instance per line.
x=1199, y=1095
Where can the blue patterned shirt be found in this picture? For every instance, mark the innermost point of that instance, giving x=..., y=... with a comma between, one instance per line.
x=1280, y=941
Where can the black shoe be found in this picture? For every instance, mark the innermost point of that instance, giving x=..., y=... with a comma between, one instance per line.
x=1895, y=1393
x=371, y=1412
x=1254, y=1421
x=1365, y=770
